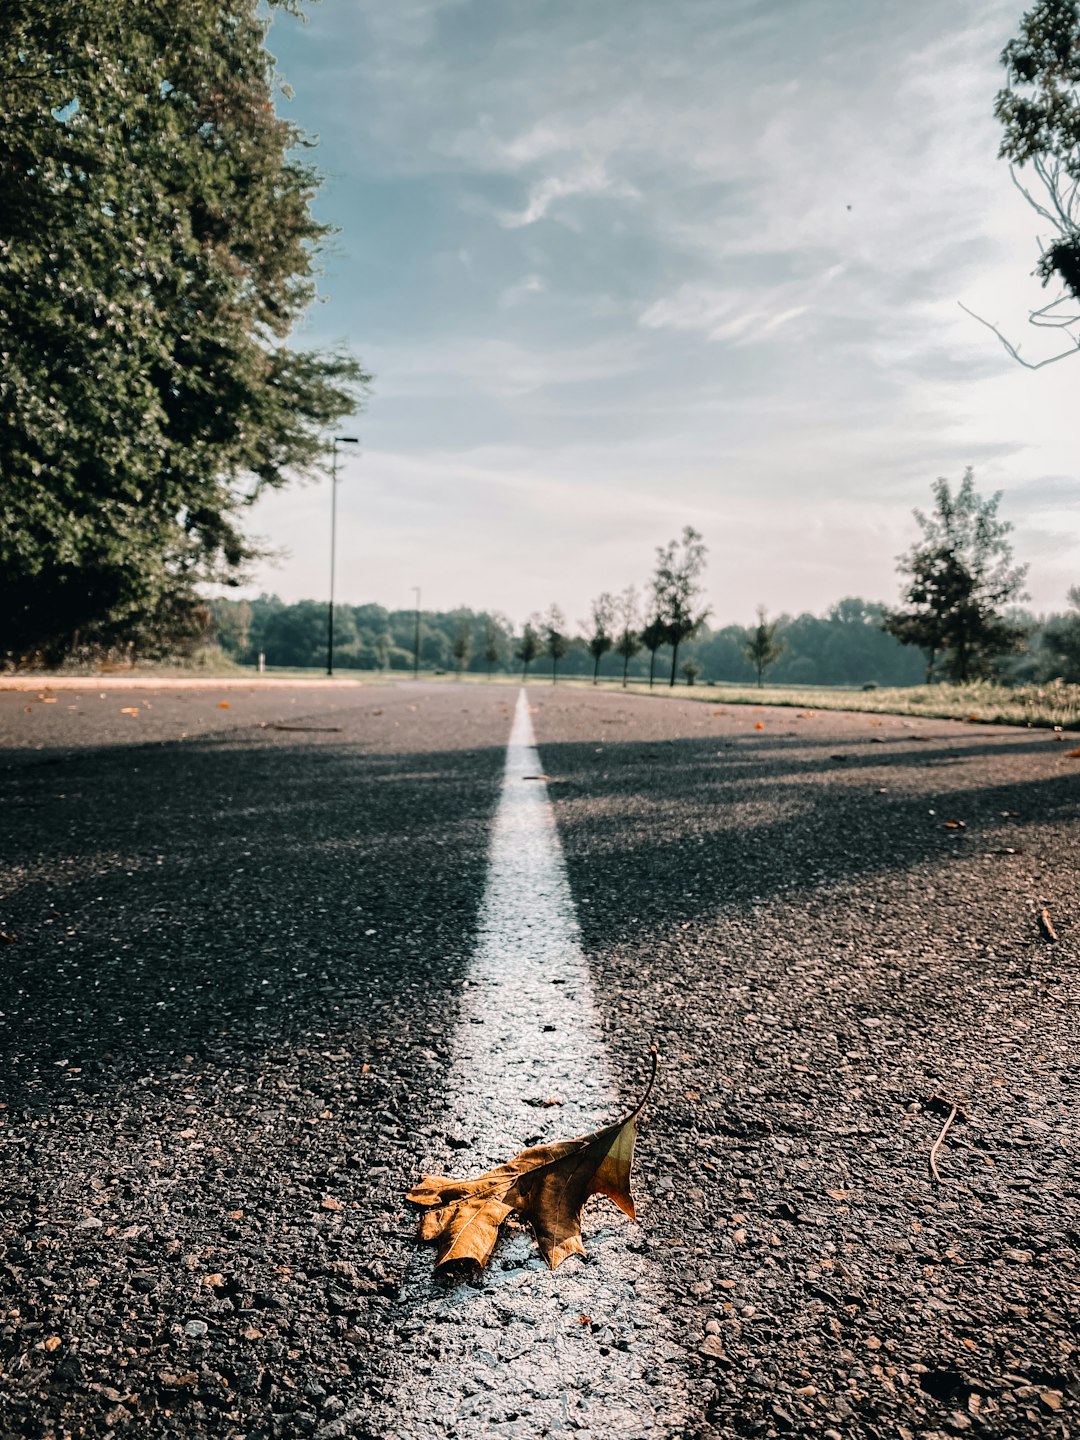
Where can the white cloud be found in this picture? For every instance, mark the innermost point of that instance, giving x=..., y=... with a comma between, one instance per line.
x=589, y=179
x=520, y=290
x=745, y=315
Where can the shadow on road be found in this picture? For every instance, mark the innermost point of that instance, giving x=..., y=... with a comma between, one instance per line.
x=221, y=897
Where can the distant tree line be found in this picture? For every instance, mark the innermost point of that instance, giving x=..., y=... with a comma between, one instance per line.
x=960, y=620
x=844, y=646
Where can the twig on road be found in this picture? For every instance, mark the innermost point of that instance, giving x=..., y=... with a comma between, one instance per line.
x=1046, y=925
x=935, y=1173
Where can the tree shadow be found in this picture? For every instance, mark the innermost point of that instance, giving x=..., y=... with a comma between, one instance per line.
x=661, y=834
x=216, y=899
x=219, y=898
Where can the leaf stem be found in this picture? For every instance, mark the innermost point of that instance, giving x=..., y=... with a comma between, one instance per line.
x=648, y=1088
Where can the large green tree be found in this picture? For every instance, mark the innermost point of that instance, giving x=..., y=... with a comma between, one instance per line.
x=960, y=579
x=156, y=248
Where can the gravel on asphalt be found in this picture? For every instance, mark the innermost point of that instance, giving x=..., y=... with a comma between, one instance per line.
x=235, y=952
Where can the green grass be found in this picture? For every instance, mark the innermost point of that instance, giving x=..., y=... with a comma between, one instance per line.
x=1047, y=705
x=1053, y=703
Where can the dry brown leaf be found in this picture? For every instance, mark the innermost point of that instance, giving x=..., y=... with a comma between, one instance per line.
x=546, y=1185
x=130, y=710
x=1069, y=754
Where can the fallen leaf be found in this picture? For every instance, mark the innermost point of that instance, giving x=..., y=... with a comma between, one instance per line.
x=236, y=1214
x=954, y=824
x=1069, y=754
x=130, y=710
x=223, y=704
x=47, y=699
x=759, y=725
x=547, y=1185
x=329, y=1203
x=53, y=1343
x=838, y=1194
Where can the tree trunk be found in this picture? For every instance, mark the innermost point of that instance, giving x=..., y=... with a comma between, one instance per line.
x=625, y=668
x=674, y=659
x=596, y=670
x=652, y=666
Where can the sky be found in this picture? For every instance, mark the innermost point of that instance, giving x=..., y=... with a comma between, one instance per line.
x=620, y=267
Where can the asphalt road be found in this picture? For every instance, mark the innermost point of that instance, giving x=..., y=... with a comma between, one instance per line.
x=236, y=973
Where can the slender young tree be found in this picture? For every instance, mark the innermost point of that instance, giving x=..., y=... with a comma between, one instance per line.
x=461, y=648
x=676, y=587
x=492, y=645
x=690, y=670
x=653, y=636
x=600, y=627
x=629, y=642
x=528, y=646
x=961, y=576
x=762, y=647
x=556, y=640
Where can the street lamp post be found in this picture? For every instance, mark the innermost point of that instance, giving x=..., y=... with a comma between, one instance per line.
x=338, y=440
x=416, y=637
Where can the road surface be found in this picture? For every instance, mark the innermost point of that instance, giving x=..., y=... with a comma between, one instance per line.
x=267, y=961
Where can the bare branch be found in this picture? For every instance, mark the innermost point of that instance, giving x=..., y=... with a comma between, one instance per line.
x=1026, y=193
x=1047, y=320
x=1013, y=350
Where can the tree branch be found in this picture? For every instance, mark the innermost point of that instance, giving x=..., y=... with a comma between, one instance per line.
x=1013, y=350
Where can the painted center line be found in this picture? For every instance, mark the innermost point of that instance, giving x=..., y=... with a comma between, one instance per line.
x=514, y=1356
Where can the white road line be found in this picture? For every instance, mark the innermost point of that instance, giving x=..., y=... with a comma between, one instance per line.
x=513, y=1357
